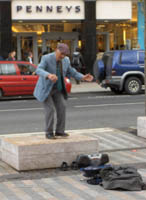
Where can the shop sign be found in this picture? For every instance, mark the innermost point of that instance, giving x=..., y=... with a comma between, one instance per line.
x=113, y=10
x=45, y=10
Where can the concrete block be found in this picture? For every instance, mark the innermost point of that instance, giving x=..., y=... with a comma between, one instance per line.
x=37, y=152
x=141, y=127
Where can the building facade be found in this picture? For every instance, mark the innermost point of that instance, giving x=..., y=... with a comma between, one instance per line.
x=93, y=25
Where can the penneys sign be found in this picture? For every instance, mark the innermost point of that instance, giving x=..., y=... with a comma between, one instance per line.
x=47, y=10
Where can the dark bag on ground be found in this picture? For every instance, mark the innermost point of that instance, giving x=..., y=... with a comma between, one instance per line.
x=85, y=160
x=96, y=180
x=121, y=178
x=98, y=159
x=93, y=171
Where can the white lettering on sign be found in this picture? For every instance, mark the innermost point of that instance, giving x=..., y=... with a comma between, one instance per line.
x=56, y=9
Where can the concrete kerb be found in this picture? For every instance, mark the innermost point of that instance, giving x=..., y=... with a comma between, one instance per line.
x=87, y=87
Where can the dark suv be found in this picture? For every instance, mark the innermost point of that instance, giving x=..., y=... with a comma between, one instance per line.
x=121, y=70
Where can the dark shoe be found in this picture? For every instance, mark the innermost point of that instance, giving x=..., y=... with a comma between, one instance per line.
x=74, y=165
x=77, y=82
x=50, y=136
x=64, y=166
x=62, y=134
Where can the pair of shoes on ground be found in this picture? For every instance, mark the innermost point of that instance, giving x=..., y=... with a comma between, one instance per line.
x=65, y=167
x=52, y=136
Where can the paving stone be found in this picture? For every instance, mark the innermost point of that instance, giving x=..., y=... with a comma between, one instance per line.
x=123, y=149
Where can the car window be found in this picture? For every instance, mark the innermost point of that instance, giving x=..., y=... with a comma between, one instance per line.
x=141, y=57
x=26, y=69
x=7, y=69
x=128, y=57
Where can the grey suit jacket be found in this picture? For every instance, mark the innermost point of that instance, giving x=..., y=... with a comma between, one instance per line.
x=47, y=66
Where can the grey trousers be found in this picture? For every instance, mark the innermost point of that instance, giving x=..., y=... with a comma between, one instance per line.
x=55, y=101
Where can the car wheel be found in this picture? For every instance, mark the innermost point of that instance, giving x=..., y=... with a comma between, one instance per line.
x=133, y=85
x=1, y=93
x=116, y=90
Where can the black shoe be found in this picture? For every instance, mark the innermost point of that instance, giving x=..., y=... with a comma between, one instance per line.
x=64, y=166
x=50, y=136
x=74, y=165
x=77, y=82
x=62, y=134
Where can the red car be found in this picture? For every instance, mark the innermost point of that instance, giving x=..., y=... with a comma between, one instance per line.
x=18, y=78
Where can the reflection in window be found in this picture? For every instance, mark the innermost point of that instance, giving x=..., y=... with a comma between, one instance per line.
x=7, y=69
x=26, y=69
x=129, y=57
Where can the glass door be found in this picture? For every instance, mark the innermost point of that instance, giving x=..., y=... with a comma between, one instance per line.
x=50, y=45
x=103, y=41
x=50, y=40
x=27, y=42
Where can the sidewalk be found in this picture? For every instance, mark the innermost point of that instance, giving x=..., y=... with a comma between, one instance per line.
x=123, y=148
x=87, y=87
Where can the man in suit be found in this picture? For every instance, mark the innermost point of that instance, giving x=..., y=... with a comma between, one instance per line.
x=50, y=88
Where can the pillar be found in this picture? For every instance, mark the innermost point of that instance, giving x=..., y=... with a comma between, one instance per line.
x=5, y=28
x=89, y=34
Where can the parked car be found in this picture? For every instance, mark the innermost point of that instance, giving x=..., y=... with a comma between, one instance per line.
x=19, y=78
x=121, y=71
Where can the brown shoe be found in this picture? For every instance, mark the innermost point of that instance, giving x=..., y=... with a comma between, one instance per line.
x=62, y=134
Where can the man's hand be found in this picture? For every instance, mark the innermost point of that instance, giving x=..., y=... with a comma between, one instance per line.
x=87, y=77
x=53, y=77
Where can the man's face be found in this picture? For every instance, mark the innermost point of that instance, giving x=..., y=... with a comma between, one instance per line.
x=59, y=55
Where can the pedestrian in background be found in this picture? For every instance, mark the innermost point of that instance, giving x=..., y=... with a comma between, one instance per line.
x=50, y=88
x=11, y=56
x=30, y=57
x=77, y=62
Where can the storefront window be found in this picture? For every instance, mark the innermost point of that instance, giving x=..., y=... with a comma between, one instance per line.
x=117, y=34
x=40, y=38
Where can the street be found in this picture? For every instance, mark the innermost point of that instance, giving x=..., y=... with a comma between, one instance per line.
x=109, y=118
x=84, y=111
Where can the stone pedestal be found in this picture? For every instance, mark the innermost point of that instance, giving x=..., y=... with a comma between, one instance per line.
x=141, y=127
x=37, y=152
